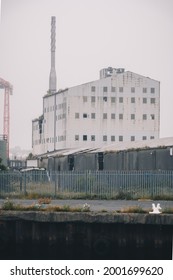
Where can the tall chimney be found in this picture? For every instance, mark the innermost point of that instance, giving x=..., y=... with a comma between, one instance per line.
x=52, y=77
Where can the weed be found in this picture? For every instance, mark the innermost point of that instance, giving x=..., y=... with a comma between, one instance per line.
x=134, y=209
x=86, y=207
x=104, y=211
x=168, y=210
x=122, y=195
x=8, y=205
x=44, y=200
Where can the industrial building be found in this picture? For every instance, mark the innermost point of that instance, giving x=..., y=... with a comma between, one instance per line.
x=138, y=155
x=120, y=106
x=3, y=150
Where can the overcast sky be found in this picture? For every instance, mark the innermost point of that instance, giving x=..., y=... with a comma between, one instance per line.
x=90, y=34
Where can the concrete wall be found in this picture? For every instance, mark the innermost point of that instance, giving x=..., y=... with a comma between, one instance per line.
x=85, y=236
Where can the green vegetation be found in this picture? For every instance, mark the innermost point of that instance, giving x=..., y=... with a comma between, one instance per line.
x=134, y=209
x=2, y=166
x=9, y=205
x=44, y=205
x=168, y=210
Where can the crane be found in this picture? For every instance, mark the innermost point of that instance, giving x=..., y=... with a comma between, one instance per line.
x=8, y=90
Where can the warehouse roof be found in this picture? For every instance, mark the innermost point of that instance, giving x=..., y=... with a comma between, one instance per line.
x=121, y=146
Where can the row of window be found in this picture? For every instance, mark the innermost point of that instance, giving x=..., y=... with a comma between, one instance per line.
x=105, y=138
x=50, y=140
x=120, y=99
x=119, y=138
x=105, y=117
x=105, y=98
x=52, y=108
x=121, y=89
x=113, y=116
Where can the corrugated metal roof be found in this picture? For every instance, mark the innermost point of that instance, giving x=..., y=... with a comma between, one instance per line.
x=162, y=142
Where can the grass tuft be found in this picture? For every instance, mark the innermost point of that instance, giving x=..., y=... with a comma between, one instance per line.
x=134, y=209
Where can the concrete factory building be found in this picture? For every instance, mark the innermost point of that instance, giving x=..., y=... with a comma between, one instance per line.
x=119, y=107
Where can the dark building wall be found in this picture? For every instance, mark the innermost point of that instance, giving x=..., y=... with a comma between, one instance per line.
x=58, y=163
x=164, y=159
x=149, y=159
x=85, y=162
x=146, y=159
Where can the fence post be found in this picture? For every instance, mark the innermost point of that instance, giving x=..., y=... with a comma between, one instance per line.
x=55, y=183
x=24, y=183
x=20, y=180
x=88, y=191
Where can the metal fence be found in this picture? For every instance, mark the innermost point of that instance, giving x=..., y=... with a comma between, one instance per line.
x=90, y=184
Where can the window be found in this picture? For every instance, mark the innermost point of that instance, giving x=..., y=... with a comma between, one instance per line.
x=145, y=100
x=144, y=90
x=113, y=89
x=152, y=90
x=105, y=98
x=152, y=116
x=93, y=115
x=132, y=138
x=152, y=100
x=84, y=137
x=112, y=99
x=113, y=116
x=120, y=89
x=104, y=116
x=151, y=137
x=113, y=138
x=92, y=137
x=144, y=117
x=105, y=89
x=85, y=116
x=85, y=98
x=93, y=88
x=144, y=137
x=132, y=116
x=120, y=99
x=120, y=138
x=93, y=99
x=76, y=137
x=104, y=137
x=133, y=90
x=76, y=115
x=132, y=99
x=120, y=116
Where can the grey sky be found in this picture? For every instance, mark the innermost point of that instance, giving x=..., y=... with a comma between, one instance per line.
x=91, y=34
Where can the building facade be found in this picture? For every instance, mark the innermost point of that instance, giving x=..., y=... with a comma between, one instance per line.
x=3, y=150
x=119, y=107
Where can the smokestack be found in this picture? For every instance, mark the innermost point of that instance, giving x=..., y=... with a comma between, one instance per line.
x=52, y=77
